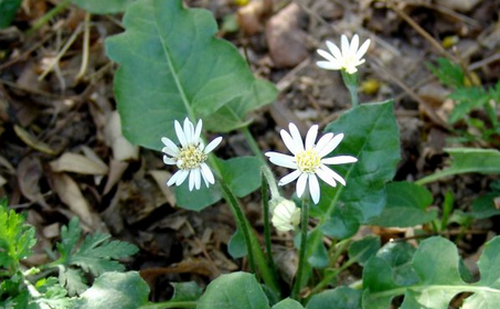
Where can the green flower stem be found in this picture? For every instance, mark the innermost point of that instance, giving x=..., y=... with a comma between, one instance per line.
x=48, y=16
x=240, y=220
x=332, y=275
x=270, y=180
x=253, y=144
x=351, y=83
x=170, y=304
x=256, y=256
x=339, y=249
x=303, y=248
x=267, y=230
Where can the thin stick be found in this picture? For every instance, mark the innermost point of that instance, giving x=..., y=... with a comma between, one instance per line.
x=48, y=16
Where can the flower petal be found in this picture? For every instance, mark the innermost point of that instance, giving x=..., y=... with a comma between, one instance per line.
x=169, y=161
x=289, y=141
x=326, y=55
x=197, y=132
x=314, y=190
x=212, y=145
x=191, y=180
x=289, y=178
x=188, y=130
x=311, y=136
x=281, y=159
x=180, y=134
x=329, y=65
x=363, y=49
x=301, y=184
x=326, y=176
x=323, y=141
x=197, y=178
x=183, y=174
x=334, y=50
x=333, y=174
x=170, y=147
x=344, y=45
x=207, y=173
x=297, y=139
x=354, y=44
x=331, y=145
x=339, y=160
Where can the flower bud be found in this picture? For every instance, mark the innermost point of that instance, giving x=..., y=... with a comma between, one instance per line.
x=286, y=215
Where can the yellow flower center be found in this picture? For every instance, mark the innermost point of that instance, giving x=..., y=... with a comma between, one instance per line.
x=191, y=157
x=308, y=161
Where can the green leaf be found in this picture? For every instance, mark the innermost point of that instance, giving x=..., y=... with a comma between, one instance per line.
x=362, y=250
x=116, y=290
x=467, y=160
x=237, y=247
x=234, y=291
x=229, y=117
x=242, y=175
x=339, y=298
x=16, y=237
x=468, y=98
x=399, y=256
x=343, y=222
x=436, y=263
x=53, y=295
x=8, y=9
x=288, y=304
x=448, y=73
x=72, y=280
x=484, y=207
x=372, y=136
x=97, y=254
x=197, y=199
x=172, y=66
x=186, y=291
x=406, y=206
x=103, y=7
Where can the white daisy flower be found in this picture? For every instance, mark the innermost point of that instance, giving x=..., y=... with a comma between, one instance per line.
x=347, y=58
x=286, y=215
x=190, y=156
x=308, y=161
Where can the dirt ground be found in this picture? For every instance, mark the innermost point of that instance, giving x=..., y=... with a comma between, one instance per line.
x=51, y=106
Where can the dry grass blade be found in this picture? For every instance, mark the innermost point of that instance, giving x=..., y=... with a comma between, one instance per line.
x=32, y=141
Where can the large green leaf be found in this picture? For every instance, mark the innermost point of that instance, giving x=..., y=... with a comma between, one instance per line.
x=172, y=66
x=234, y=291
x=436, y=263
x=242, y=175
x=406, y=206
x=116, y=290
x=339, y=298
x=288, y=304
x=468, y=160
x=372, y=136
x=8, y=9
x=103, y=7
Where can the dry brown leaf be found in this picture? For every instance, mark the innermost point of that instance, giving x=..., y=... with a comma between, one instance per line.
x=123, y=150
x=69, y=193
x=76, y=163
x=33, y=142
x=251, y=17
x=116, y=170
x=161, y=178
x=2, y=181
x=29, y=173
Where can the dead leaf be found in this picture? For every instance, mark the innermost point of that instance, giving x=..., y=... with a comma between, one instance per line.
x=161, y=178
x=69, y=193
x=29, y=173
x=76, y=163
x=33, y=142
x=123, y=150
x=285, y=39
x=2, y=181
x=116, y=170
